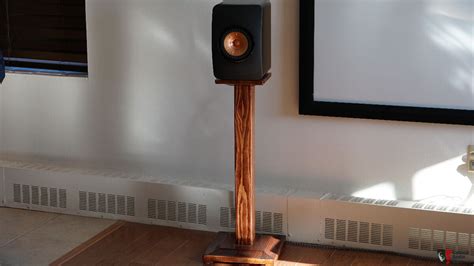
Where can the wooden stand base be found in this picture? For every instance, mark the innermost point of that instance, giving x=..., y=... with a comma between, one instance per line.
x=265, y=250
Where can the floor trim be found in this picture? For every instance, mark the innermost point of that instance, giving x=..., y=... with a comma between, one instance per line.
x=79, y=249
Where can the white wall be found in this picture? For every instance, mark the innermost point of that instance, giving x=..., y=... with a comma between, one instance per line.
x=150, y=105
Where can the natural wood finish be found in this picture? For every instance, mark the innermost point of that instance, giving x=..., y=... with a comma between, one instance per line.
x=89, y=243
x=245, y=82
x=265, y=250
x=244, y=110
x=141, y=244
x=244, y=246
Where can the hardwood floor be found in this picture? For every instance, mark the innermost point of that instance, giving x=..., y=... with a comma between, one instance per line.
x=137, y=244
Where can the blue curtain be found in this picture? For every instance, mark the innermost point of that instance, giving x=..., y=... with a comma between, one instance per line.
x=2, y=68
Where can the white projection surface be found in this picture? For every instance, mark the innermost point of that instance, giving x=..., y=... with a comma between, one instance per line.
x=395, y=52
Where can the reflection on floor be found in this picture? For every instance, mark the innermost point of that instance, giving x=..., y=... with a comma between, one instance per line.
x=139, y=244
x=38, y=238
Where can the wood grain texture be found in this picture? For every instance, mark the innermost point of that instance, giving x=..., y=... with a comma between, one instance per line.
x=265, y=250
x=141, y=244
x=244, y=104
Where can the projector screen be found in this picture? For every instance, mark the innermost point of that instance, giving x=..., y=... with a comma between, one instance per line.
x=411, y=59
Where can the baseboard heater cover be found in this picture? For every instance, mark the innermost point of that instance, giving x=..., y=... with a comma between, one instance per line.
x=326, y=219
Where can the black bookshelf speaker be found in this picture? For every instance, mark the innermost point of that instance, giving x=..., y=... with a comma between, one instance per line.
x=2, y=68
x=241, y=39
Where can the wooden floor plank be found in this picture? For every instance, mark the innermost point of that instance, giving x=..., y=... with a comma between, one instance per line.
x=89, y=243
x=109, y=246
x=395, y=260
x=341, y=257
x=160, y=250
x=139, y=244
x=135, y=248
x=305, y=255
x=367, y=258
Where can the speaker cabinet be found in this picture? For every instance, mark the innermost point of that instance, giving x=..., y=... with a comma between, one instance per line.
x=241, y=39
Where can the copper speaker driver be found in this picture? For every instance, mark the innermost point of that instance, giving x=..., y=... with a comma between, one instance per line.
x=236, y=44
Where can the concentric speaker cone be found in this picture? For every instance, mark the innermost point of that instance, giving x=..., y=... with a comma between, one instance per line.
x=236, y=44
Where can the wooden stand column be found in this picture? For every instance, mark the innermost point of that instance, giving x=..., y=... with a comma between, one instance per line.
x=244, y=104
x=244, y=246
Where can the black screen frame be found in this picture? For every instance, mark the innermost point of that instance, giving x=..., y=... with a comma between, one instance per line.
x=308, y=106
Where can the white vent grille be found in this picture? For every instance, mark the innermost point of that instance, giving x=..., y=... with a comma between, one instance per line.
x=418, y=205
x=152, y=208
x=387, y=235
x=368, y=201
x=17, y=193
x=161, y=209
x=192, y=213
x=433, y=240
x=472, y=244
x=62, y=198
x=392, y=203
x=352, y=231
x=233, y=217
x=171, y=211
x=443, y=208
x=341, y=230
x=105, y=203
x=376, y=234
x=25, y=192
x=425, y=239
x=362, y=232
x=430, y=207
x=53, y=197
x=43, y=196
x=346, y=198
x=258, y=221
x=121, y=204
x=130, y=206
x=278, y=223
x=111, y=204
x=438, y=240
x=92, y=201
x=82, y=200
x=330, y=196
x=202, y=214
x=463, y=243
x=102, y=203
x=357, y=199
x=329, y=228
x=35, y=195
x=265, y=222
x=414, y=238
x=182, y=212
x=451, y=240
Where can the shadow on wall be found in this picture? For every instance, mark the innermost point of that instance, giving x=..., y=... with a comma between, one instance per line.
x=385, y=159
x=150, y=106
x=154, y=105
